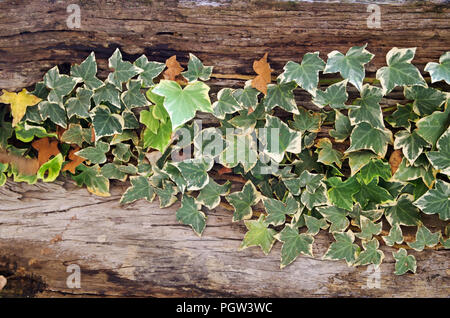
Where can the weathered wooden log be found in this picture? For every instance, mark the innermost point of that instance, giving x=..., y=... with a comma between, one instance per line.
x=140, y=249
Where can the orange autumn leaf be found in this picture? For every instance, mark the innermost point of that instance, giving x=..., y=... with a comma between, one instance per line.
x=262, y=68
x=92, y=134
x=60, y=131
x=46, y=149
x=395, y=159
x=173, y=68
x=75, y=161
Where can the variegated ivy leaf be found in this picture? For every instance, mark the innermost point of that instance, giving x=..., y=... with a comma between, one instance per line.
x=107, y=93
x=123, y=70
x=208, y=143
x=365, y=137
x=140, y=189
x=342, y=127
x=350, y=65
x=49, y=171
x=336, y=216
x=371, y=192
x=369, y=110
x=357, y=212
x=174, y=174
x=281, y=95
x=87, y=71
x=277, y=210
x=118, y=172
x=3, y=168
x=426, y=99
x=166, y=194
x=445, y=243
x=247, y=119
x=243, y=201
x=374, y=169
x=306, y=120
x=258, y=234
x=341, y=192
x=150, y=70
x=395, y=235
x=81, y=104
x=278, y=138
x=404, y=262
x=105, y=123
x=225, y=104
x=93, y=180
x=133, y=97
x=239, y=149
x=122, y=152
x=328, y=155
x=210, y=195
x=76, y=134
x=26, y=133
x=95, y=154
x=433, y=126
x=402, y=117
x=190, y=214
x=318, y=198
x=59, y=85
x=335, y=96
x=406, y=173
x=195, y=172
x=411, y=144
x=248, y=96
x=294, y=244
x=182, y=104
x=399, y=70
x=196, y=70
x=309, y=180
x=125, y=136
x=129, y=120
x=53, y=111
x=403, y=212
x=424, y=237
x=315, y=225
x=368, y=228
x=436, y=200
x=306, y=74
x=343, y=248
x=440, y=159
x=359, y=159
x=440, y=71
x=371, y=254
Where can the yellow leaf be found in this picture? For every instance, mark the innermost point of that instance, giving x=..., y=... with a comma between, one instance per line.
x=19, y=103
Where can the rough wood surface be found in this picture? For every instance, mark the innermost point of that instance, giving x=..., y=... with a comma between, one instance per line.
x=140, y=250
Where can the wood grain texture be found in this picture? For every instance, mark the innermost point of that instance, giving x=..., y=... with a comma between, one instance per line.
x=141, y=250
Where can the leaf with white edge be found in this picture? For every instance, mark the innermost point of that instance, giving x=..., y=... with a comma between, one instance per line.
x=76, y=134
x=133, y=96
x=433, y=126
x=258, y=234
x=309, y=180
x=87, y=71
x=403, y=212
x=277, y=210
x=93, y=180
x=151, y=70
x=335, y=96
x=440, y=159
x=318, y=198
x=129, y=120
x=412, y=144
x=371, y=254
x=359, y=159
x=343, y=248
x=341, y=192
x=182, y=104
x=314, y=225
x=342, y=127
x=445, y=243
x=294, y=244
x=306, y=120
x=243, y=201
x=404, y=262
x=123, y=70
x=140, y=189
x=277, y=138
x=196, y=70
x=115, y=171
x=225, y=104
x=440, y=71
x=281, y=95
x=436, y=200
x=59, y=85
x=49, y=171
x=26, y=133
x=195, y=172
x=81, y=104
x=399, y=70
x=306, y=74
x=424, y=237
x=366, y=137
x=95, y=154
x=208, y=143
x=350, y=65
x=210, y=195
x=375, y=169
x=53, y=111
x=406, y=173
x=336, y=216
x=107, y=93
x=402, y=117
x=395, y=235
x=247, y=119
x=175, y=175
x=328, y=155
x=167, y=194
x=372, y=192
x=190, y=214
x=248, y=96
x=122, y=152
x=105, y=123
x=426, y=99
x=239, y=149
x=369, y=110
x=368, y=228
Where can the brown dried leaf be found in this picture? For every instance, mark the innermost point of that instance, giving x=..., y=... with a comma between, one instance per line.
x=75, y=161
x=262, y=68
x=46, y=149
x=395, y=159
x=173, y=68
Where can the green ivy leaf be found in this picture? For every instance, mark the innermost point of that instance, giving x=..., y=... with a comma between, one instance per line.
x=368, y=228
x=402, y=117
x=225, y=104
x=150, y=70
x=440, y=71
x=341, y=192
x=26, y=133
x=167, y=194
x=76, y=134
x=364, y=136
x=440, y=159
x=87, y=71
x=433, y=126
x=307, y=121
x=281, y=95
x=350, y=65
x=342, y=127
x=371, y=254
x=240, y=149
x=93, y=180
x=118, y=172
x=248, y=96
x=372, y=192
x=140, y=189
x=107, y=93
x=105, y=123
x=412, y=144
x=189, y=214
x=210, y=195
x=328, y=155
x=336, y=216
x=248, y=120
x=436, y=200
x=3, y=168
x=424, y=237
x=59, y=85
x=309, y=180
x=49, y=171
x=123, y=70
x=277, y=210
x=6, y=131
x=95, y=154
x=129, y=120
x=359, y=159
x=426, y=99
x=403, y=212
x=314, y=225
x=375, y=169
x=243, y=201
x=369, y=110
x=318, y=198
x=122, y=152
x=294, y=244
x=343, y=248
x=196, y=70
x=335, y=96
x=399, y=71
x=395, y=235
x=195, y=172
x=258, y=234
x=81, y=104
x=404, y=262
x=133, y=97
x=53, y=111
